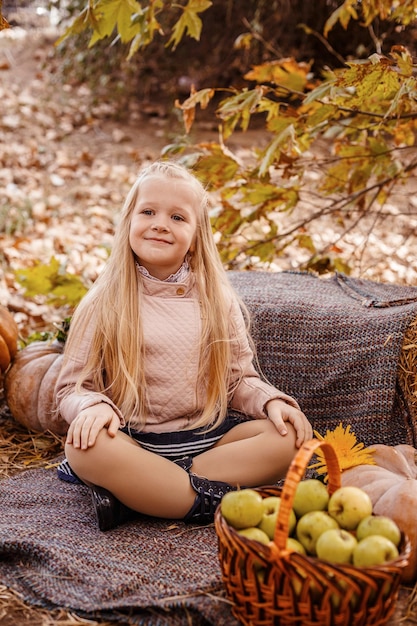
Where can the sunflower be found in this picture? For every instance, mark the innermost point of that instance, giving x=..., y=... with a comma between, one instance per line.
x=349, y=452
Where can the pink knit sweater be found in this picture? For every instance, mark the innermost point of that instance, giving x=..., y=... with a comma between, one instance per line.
x=172, y=323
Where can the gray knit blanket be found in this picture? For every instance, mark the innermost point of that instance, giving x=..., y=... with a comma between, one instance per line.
x=332, y=344
x=148, y=572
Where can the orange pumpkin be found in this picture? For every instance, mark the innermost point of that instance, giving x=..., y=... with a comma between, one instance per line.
x=392, y=487
x=29, y=386
x=8, y=338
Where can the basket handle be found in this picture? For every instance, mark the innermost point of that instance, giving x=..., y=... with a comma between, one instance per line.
x=295, y=473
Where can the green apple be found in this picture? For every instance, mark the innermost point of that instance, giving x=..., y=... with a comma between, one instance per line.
x=254, y=533
x=337, y=596
x=310, y=526
x=269, y=519
x=336, y=545
x=379, y=525
x=295, y=546
x=310, y=495
x=260, y=573
x=297, y=585
x=349, y=505
x=374, y=550
x=242, y=508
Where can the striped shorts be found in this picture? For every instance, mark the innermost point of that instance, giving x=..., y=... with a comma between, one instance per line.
x=175, y=445
x=172, y=445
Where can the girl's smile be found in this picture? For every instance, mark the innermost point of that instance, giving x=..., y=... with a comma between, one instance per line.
x=163, y=225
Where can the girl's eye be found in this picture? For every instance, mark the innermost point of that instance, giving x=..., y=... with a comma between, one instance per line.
x=178, y=218
x=147, y=212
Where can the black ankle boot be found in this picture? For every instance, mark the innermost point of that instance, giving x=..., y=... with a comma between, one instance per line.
x=209, y=495
x=109, y=510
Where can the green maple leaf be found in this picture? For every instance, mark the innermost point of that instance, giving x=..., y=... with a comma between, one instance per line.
x=51, y=281
x=111, y=13
x=189, y=23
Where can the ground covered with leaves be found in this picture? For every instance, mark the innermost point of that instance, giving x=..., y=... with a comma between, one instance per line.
x=69, y=155
x=65, y=168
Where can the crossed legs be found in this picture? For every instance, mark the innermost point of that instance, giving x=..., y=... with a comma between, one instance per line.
x=250, y=454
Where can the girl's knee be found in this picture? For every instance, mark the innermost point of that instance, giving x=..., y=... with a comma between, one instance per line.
x=81, y=460
x=287, y=441
x=78, y=459
x=261, y=430
x=278, y=450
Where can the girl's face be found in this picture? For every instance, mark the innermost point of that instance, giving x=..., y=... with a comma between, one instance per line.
x=163, y=224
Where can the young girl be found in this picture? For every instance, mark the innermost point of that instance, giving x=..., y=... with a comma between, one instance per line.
x=166, y=411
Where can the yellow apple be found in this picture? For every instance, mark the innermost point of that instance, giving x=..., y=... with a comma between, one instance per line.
x=295, y=546
x=254, y=533
x=310, y=526
x=349, y=505
x=374, y=550
x=260, y=573
x=269, y=519
x=336, y=598
x=310, y=495
x=242, y=508
x=336, y=546
x=379, y=525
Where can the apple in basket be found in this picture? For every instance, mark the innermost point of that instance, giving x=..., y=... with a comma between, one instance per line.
x=295, y=546
x=269, y=519
x=254, y=533
x=348, y=506
x=374, y=550
x=310, y=526
x=336, y=545
x=242, y=508
x=379, y=525
x=310, y=495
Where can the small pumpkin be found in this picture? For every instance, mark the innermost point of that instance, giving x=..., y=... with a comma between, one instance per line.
x=392, y=486
x=29, y=386
x=8, y=338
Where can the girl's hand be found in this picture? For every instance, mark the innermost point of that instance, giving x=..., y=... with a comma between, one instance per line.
x=83, y=431
x=280, y=412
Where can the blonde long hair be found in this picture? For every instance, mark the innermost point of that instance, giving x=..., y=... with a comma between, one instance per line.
x=115, y=363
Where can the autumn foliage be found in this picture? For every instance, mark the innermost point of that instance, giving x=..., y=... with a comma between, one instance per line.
x=339, y=138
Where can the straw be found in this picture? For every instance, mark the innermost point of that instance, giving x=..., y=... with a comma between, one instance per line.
x=407, y=370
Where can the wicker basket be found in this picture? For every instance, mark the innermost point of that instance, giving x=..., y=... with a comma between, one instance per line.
x=268, y=584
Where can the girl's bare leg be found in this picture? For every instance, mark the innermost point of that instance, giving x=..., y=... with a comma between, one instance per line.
x=251, y=454
x=143, y=481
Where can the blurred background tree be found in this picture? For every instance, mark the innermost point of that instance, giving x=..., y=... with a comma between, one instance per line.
x=331, y=85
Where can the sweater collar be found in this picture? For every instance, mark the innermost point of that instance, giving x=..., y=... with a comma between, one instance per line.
x=179, y=277
x=164, y=289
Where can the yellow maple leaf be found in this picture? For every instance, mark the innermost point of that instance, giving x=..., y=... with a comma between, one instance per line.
x=349, y=452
